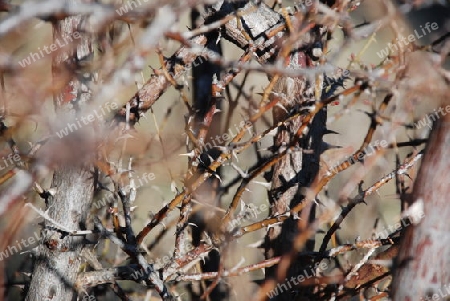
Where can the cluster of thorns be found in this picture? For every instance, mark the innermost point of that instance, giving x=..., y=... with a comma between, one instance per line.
x=360, y=84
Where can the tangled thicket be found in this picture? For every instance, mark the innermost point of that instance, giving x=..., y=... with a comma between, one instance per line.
x=224, y=150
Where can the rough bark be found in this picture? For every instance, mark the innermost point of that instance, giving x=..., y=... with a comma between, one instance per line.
x=298, y=169
x=58, y=260
x=423, y=264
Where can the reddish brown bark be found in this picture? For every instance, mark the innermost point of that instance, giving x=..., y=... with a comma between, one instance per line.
x=423, y=264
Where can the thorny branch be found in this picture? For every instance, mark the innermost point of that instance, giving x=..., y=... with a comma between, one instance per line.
x=291, y=47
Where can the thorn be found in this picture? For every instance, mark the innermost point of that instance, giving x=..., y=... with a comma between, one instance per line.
x=235, y=155
x=52, y=191
x=282, y=107
x=328, y=131
x=327, y=146
x=217, y=177
x=190, y=155
x=242, y=173
x=243, y=205
x=173, y=186
x=264, y=184
x=218, y=38
x=318, y=202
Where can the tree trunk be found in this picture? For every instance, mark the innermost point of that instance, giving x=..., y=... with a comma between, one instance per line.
x=58, y=260
x=423, y=264
x=295, y=171
x=298, y=169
